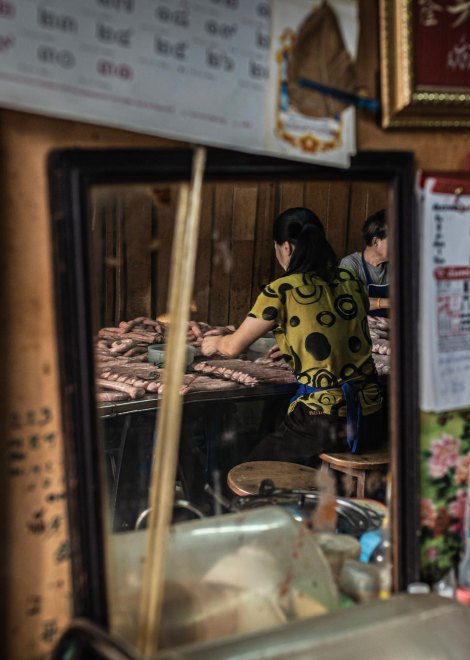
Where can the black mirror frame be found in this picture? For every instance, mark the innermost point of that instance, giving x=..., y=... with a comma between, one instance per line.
x=71, y=173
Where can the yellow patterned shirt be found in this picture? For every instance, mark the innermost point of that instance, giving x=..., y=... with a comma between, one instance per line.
x=322, y=332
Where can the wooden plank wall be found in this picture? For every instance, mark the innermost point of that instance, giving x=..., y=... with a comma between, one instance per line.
x=132, y=231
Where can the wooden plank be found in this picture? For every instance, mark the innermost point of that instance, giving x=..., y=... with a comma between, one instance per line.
x=222, y=258
x=330, y=201
x=120, y=285
x=137, y=232
x=317, y=197
x=96, y=215
x=109, y=262
x=243, y=234
x=263, y=248
x=165, y=204
x=202, y=275
x=291, y=194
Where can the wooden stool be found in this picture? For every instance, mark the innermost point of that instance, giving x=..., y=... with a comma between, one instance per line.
x=245, y=478
x=356, y=465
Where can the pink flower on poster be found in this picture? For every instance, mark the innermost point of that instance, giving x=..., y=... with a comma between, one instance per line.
x=444, y=455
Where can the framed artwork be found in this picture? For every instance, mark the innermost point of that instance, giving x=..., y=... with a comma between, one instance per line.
x=425, y=63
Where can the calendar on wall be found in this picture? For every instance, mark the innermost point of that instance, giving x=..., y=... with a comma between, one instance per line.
x=444, y=215
x=195, y=70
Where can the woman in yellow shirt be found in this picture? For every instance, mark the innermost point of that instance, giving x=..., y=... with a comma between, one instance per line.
x=318, y=313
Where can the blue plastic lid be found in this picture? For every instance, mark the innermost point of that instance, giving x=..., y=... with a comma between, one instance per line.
x=369, y=541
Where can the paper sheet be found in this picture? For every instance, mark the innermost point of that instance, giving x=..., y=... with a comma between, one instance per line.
x=444, y=295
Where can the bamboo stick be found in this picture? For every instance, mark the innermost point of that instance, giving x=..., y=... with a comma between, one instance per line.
x=168, y=424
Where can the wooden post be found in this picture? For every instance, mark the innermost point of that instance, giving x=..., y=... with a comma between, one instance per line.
x=169, y=418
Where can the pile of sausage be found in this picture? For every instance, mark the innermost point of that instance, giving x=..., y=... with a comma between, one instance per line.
x=122, y=367
x=246, y=372
x=379, y=329
x=123, y=372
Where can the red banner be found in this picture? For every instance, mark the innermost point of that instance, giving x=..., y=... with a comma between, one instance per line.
x=452, y=273
x=441, y=35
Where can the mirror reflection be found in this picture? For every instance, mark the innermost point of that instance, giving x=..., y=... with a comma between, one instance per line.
x=285, y=397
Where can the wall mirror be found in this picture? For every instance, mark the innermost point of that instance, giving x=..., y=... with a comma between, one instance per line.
x=113, y=215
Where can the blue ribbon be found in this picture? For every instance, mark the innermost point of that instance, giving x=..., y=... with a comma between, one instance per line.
x=353, y=409
x=346, y=97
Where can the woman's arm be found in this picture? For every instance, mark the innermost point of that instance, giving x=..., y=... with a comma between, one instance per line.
x=232, y=345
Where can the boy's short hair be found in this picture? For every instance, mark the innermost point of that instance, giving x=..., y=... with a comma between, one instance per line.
x=375, y=227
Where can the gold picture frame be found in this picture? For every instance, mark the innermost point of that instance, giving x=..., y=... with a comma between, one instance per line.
x=409, y=97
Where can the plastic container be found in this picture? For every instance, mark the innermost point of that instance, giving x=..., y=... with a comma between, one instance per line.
x=376, y=550
x=260, y=347
x=225, y=575
x=156, y=354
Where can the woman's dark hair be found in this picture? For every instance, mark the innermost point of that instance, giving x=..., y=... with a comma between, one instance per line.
x=375, y=227
x=312, y=252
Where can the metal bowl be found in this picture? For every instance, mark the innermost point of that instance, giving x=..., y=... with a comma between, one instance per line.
x=352, y=518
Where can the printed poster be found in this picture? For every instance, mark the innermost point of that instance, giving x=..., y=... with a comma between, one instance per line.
x=444, y=208
x=313, y=75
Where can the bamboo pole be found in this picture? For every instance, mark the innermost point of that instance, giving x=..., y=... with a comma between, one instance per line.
x=168, y=424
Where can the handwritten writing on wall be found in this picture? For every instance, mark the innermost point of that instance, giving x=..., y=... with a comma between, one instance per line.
x=37, y=526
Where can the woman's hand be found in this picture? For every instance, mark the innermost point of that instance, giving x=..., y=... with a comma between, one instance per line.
x=210, y=345
x=193, y=333
x=274, y=353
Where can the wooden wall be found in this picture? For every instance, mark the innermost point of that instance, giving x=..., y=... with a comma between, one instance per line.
x=132, y=233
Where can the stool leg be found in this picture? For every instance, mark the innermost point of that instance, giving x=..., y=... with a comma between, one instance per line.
x=361, y=484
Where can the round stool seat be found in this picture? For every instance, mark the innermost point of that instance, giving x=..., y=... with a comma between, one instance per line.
x=245, y=478
x=368, y=461
x=356, y=465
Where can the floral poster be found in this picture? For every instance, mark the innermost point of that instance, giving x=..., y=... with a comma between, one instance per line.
x=445, y=463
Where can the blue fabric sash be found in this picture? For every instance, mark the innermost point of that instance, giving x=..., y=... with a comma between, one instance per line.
x=353, y=409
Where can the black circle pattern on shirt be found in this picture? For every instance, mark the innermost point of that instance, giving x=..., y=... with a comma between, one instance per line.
x=294, y=321
x=269, y=313
x=317, y=344
x=346, y=306
x=368, y=368
x=326, y=318
x=269, y=292
x=308, y=298
x=349, y=371
x=327, y=399
x=371, y=393
x=345, y=275
x=324, y=378
x=304, y=378
x=282, y=291
x=354, y=344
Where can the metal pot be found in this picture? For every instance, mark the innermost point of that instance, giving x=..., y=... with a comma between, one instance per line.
x=182, y=512
x=352, y=518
